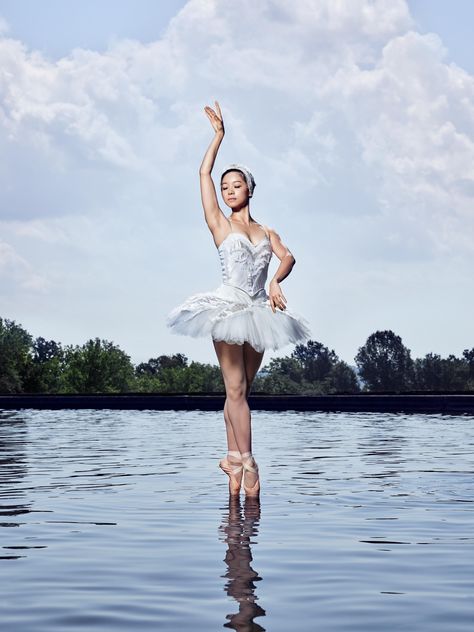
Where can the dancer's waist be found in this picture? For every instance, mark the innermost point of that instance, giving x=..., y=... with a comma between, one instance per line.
x=253, y=294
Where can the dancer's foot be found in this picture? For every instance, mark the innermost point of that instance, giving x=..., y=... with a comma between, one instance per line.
x=233, y=467
x=251, y=480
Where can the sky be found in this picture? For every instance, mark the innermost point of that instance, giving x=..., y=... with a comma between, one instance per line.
x=356, y=119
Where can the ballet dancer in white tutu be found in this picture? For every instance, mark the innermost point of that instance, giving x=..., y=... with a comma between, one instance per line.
x=240, y=317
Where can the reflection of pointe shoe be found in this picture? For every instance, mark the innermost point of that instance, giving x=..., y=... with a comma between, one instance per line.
x=234, y=472
x=250, y=465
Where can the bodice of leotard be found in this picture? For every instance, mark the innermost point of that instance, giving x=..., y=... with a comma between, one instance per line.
x=243, y=264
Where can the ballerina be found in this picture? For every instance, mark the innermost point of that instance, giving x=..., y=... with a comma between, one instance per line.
x=240, y=317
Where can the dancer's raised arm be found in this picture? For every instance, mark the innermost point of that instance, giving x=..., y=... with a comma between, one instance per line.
x=237, y=314
x=215, y=218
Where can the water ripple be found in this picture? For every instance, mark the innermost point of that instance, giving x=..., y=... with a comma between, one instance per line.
x=120, y=520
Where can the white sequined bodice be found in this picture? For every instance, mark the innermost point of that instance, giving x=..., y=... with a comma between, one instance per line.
x=243, y=264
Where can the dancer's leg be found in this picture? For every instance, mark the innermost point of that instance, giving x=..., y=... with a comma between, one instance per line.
x=239, y=365
x=231, y=361
x=252, y=361
x=231, y=442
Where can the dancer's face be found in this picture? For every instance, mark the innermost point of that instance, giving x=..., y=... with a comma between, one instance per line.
x=234, y=189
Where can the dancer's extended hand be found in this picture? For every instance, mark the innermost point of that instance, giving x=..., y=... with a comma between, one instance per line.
x=215, y=117
x=277, y=298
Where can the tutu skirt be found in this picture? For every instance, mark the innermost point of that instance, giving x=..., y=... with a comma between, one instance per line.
x=228, y=313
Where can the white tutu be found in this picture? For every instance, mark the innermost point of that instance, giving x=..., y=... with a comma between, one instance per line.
x=230, y=314
x=239, y=309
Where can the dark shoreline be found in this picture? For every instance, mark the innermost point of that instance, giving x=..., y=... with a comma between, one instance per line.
x=451, y=404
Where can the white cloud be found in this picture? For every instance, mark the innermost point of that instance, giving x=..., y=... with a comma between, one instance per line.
x=16, y=272
x=106, y=118
x=413, y=116
x=350, y=120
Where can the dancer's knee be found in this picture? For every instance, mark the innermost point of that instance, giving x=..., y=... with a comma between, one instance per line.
x=236, y=392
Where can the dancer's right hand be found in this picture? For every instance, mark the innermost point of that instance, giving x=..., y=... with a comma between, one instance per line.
x=215, y=117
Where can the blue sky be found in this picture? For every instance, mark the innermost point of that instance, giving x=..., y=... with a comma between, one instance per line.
x=356, y=119
x=55, y=27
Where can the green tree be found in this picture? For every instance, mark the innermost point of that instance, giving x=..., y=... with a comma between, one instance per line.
x=44, y=370
x=276, y=384
x=98, y=366
x=428, y=373
x=322, y=371
x=281, y=375
x=385, y=363
x=343, y=379
x=15, y=343
x=176, y=377
x=468, y=355
x=315, y=360
x=155, y=365
x=201, y=378
x=434, y=373
x=312, y=369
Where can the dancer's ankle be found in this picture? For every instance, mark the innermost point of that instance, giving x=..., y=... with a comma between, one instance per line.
x=235, y=454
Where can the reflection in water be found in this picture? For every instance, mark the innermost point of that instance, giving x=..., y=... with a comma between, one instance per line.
x=239, y=525
x=100, y=512
x=13, y=471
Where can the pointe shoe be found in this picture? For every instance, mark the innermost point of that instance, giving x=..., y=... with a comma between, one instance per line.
x=248, y=467
x=234, y=472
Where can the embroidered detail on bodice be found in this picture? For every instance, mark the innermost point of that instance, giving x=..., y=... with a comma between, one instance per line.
x=243, y=264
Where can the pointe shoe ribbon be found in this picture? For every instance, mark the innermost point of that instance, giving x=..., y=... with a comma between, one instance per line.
x=255, y=489
x=232, y=471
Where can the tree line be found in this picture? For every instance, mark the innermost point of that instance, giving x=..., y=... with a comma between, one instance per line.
x=383, y=364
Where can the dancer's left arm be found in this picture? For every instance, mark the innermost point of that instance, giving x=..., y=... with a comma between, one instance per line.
x=287, y=261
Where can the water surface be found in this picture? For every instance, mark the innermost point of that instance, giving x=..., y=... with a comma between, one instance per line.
x=120, y=520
